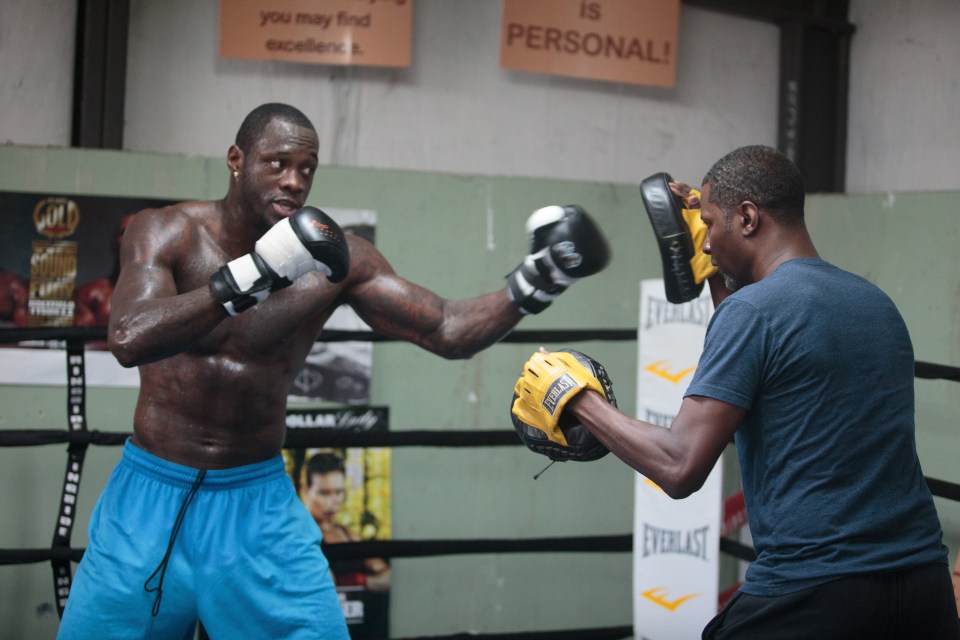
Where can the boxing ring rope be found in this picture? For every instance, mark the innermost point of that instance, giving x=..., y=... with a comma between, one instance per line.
x=78, y=437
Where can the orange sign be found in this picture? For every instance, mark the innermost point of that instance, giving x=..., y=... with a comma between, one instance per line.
x=630, y=41
x=344, y=32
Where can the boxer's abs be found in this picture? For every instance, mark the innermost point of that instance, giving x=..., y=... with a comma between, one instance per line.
x=211, y=412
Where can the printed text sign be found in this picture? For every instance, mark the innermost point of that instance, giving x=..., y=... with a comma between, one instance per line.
x=631, y=41
x=343, y=32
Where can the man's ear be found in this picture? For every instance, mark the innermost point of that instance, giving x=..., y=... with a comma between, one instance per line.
x=748, y=217
x=234, y=158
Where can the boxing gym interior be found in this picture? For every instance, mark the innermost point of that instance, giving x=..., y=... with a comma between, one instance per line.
x=448, y=125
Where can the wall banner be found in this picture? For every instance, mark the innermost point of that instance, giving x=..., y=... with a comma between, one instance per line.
x=676, y=542
x=615, y=40
x=341, y=32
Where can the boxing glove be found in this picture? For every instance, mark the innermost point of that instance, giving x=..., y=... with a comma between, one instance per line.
x=565, y=245
x=309, y=240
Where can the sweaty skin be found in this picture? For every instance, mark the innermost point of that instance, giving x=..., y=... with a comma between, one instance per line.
x=213, y=387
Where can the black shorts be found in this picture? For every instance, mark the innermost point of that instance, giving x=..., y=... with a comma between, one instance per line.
x=913, y=603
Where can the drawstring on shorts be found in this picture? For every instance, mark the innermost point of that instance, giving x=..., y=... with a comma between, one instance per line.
x=162, y=568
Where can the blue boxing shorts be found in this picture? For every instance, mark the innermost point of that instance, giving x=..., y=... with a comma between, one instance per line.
x=244, y=559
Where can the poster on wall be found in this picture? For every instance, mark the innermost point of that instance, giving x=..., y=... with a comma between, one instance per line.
x=614, y=40
x=347, y=492
x=60, y=257
x=676, y=542
x=340, y=32
x=59, y=262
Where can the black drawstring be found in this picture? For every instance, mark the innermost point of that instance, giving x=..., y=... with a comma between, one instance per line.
x=162, y=569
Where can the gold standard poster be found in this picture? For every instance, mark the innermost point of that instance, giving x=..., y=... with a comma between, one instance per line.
x=347, y=492
x=59, y=257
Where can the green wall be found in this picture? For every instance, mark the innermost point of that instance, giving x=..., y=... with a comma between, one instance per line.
x=459, y=235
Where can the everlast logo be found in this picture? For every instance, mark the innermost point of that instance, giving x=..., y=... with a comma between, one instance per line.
x=658, y=541
x=557, y=391
x=659, y=311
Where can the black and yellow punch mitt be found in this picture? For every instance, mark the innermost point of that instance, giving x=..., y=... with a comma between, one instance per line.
x=680, y=233
x=548, y=382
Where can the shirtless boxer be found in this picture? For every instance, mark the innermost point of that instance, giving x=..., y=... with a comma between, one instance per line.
x=218, y=304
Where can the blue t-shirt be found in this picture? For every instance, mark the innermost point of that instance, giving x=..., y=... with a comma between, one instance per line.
x=822, y=361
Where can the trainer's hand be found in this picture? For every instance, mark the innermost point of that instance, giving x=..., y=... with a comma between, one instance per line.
x=701, y=264
x=565, y=245
x=309, y=240
x=545, y=379
x=548, y=382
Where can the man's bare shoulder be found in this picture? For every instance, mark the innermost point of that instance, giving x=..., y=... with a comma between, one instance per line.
x=186, y=220
x=187, y=212
x=166, y=232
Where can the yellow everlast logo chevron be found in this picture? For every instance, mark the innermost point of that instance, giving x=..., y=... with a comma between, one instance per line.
x=659, y=369
x=657, y=595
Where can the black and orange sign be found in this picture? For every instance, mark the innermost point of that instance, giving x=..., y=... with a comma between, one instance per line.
x=633, y=41
x=341, y=32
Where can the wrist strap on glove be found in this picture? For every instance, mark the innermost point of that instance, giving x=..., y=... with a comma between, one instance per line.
x=242, y=283
x=530, y=285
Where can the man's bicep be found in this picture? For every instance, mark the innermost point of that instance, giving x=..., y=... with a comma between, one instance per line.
x=706, y=426
x=397, y=307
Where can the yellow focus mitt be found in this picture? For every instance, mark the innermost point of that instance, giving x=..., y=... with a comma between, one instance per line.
x=548, y=382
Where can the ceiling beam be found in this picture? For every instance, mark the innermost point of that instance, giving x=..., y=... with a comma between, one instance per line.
x=100, y=69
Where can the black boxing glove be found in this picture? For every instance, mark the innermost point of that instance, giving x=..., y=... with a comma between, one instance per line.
x=309, y=240
x=565, y=245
